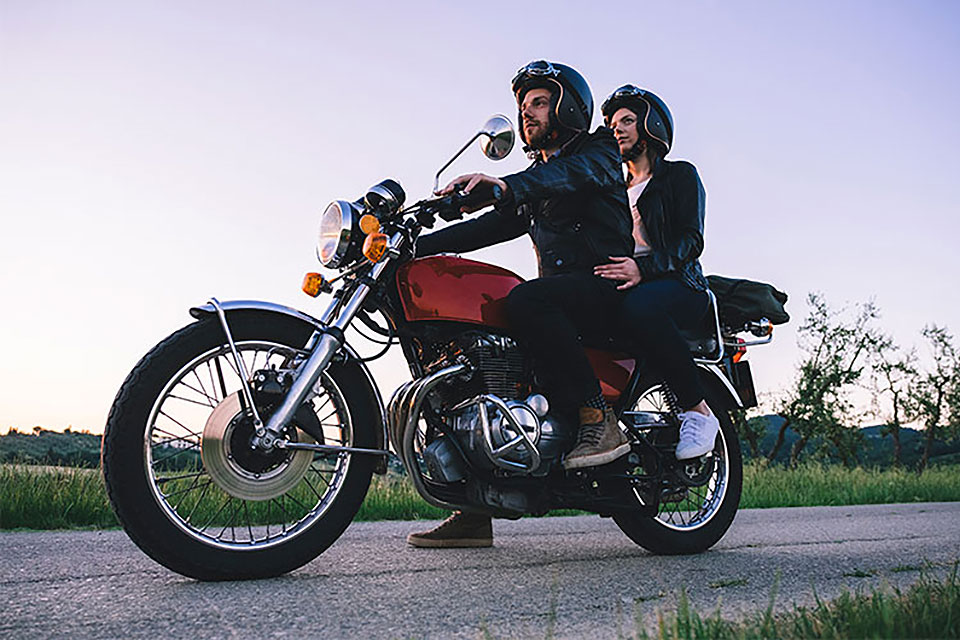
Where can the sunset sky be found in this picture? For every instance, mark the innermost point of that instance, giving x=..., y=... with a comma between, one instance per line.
x=154, y=154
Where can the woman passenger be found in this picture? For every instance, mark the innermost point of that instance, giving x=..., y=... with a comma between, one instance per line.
x=666, y=290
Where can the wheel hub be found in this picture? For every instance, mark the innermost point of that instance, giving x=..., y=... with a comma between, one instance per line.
x=247, y=472
x=696, y=472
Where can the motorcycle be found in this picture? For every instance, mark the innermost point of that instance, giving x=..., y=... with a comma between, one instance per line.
x=243, y=445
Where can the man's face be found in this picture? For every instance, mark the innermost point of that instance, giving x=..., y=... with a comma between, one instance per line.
x=535, y=112
x=624, y=125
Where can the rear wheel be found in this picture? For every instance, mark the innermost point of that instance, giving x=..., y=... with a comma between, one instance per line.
x=690, y=519
x=183, y=479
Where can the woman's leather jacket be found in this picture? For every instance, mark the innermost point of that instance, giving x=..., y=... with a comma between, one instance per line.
x=672, y=208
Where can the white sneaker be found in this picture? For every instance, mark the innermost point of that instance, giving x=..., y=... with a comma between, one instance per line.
x=697, y=434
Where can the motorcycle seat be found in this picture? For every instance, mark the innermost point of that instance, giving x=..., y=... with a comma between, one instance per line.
x=700, y=345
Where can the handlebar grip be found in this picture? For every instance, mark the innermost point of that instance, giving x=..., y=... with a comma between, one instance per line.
x=449, y=206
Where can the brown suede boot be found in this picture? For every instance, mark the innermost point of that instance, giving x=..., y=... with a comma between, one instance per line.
x=461, y=530
x=599, y=440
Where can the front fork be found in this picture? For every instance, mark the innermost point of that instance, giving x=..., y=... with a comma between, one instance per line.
x=268, y=435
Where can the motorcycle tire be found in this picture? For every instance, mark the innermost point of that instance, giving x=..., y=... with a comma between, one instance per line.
x=166, y=472
x=702, y=516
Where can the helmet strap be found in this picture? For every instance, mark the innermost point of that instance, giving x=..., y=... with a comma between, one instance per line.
x=635, y=151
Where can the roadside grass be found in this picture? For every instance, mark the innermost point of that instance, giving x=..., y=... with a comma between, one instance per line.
x=816, y=485
x=930, y=608
x=41, y=497
x=35, y=497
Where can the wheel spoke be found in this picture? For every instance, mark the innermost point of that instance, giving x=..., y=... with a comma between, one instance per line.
x=216, y=513
x=174, y=438
x=197, y=503
x=192, y=487
x=202, y=404
x=202, y=390
x=180, y=477
x=177, y=422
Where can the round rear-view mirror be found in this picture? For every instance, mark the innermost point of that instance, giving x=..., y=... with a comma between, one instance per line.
x=497, y=137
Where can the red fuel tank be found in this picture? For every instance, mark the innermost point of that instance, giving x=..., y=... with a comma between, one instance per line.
x=455, y=289
x=459, y=290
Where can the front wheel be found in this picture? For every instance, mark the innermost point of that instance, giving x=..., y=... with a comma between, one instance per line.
x=183, y=479
x=690, y=519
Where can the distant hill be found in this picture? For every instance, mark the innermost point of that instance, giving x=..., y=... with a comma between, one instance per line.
x=72, y=448
x=67, y=448
x=876, y=451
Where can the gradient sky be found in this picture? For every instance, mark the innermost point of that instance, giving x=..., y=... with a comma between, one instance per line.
x=153, y=154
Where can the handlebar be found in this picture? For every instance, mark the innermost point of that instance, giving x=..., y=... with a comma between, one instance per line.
x=449, y=207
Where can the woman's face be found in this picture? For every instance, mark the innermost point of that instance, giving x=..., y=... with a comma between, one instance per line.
x=624, y=125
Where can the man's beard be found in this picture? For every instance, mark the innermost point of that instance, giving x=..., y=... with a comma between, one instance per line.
x=544, y=139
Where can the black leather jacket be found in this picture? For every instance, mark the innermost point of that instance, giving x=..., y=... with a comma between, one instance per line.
x=672, y=208
x=574, y=207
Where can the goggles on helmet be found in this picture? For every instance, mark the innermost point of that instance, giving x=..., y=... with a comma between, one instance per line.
x=626, y=91
x=536, y=69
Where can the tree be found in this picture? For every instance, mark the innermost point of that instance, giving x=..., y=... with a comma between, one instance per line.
x=751, y=430
x=893, y=373
x=836, y=349
x=934, y=398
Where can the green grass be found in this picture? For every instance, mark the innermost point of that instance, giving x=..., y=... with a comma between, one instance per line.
x=814, y=485
x=56, y=498
x=52, y=498
x=394, y=498
x=928, y=609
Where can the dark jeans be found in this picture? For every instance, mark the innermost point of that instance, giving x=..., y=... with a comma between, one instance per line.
x=652, y=316
x=549, y=314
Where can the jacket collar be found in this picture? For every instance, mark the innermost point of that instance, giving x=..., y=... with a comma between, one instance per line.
x=568, y=147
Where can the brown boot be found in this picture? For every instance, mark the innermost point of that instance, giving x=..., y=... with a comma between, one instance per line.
x=460, y=530
x=599, y=440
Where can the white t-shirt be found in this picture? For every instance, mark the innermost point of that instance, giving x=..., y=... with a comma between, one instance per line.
x=641, y=245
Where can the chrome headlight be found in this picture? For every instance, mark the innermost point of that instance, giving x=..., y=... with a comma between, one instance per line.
x=336, y=230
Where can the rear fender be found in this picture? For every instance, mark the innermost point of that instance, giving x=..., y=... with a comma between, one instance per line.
x=245, y=306
x=711, y=376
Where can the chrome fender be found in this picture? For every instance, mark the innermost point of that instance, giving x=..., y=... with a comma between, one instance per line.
x=232, y=306
x=712, y=374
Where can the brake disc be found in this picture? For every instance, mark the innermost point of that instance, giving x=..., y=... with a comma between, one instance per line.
x=246, y=472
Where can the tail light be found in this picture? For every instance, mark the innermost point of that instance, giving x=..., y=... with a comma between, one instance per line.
x=740, y=351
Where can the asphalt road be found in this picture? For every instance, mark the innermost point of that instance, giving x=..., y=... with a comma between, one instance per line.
x=579, y=575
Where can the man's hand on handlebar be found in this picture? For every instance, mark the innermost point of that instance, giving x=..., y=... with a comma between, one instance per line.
x=467, y=183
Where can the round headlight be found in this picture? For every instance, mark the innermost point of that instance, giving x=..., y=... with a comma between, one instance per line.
x=336, y=229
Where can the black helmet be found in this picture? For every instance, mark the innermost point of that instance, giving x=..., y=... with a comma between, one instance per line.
x=650, y=110
x=574, y=103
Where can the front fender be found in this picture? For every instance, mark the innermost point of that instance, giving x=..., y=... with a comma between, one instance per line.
x=234, y=306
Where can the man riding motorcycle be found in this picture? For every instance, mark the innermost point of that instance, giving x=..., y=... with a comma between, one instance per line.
x=572, y=202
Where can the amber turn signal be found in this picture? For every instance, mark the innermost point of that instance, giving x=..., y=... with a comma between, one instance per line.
x=374, y=246
x=313, y=284
x=369, y=224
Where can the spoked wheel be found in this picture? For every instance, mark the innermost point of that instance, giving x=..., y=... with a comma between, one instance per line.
x=185, y=481
x=698, y=508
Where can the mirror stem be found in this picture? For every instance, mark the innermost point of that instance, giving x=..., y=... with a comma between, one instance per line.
x=436, y=180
